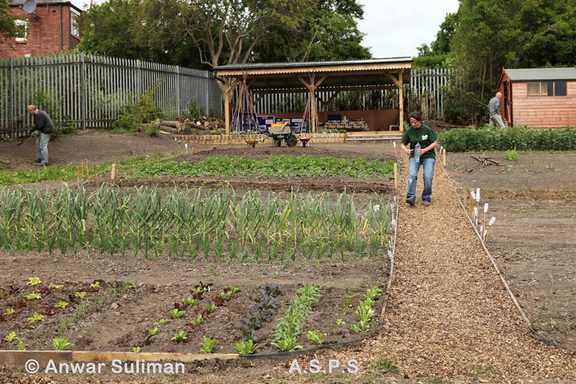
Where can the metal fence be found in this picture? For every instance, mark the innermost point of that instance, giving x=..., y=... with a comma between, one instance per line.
x=91, y=91
x=427, y=91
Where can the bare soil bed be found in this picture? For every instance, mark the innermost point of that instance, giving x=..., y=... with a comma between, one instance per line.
x=90, y=145
x=288, y=184
x=533, y=239
x=534, y=171
x=137, y=293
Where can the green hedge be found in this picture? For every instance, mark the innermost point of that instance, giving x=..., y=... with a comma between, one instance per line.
x=487, y=139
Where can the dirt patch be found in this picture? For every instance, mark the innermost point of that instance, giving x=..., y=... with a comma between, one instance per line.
x=533, y=239
x=534, y=242
x=534, y=171
x=289, y=184
x=90, y=145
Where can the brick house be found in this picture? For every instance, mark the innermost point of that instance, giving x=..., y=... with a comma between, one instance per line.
x=539, y=97
x=52, y=27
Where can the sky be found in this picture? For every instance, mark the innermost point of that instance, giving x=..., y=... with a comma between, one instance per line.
x=398, y=28
x=393, y=28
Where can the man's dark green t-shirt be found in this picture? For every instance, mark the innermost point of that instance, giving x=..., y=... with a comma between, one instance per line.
x=423, y=135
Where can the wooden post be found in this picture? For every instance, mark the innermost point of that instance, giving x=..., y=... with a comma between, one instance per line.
x=227, y=92
x=312, y=86
x=113, y=172
x=400, y=85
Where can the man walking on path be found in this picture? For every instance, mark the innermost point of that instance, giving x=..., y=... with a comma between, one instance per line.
x=494, y=111
x=419, y=142
x=43, y=127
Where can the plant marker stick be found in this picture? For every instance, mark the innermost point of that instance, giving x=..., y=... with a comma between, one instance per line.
x=113, y=172
x=478, y=195
x=476, y=215
x=485, y=212
x=186, y=146
x=492, y=221
x=473, y=195
x=396, y=175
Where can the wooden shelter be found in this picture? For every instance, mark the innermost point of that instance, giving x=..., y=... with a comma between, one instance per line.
x=313, y=79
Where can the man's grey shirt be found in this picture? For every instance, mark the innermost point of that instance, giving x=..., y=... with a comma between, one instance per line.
x=494, y=106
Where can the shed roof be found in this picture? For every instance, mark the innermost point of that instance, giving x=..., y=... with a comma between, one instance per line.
x=337, y=73
x=534, y=74
x=310, y=64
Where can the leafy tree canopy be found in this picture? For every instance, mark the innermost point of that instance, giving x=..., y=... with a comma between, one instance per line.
x=216, y=32
x=485, y=36
x=6, y=21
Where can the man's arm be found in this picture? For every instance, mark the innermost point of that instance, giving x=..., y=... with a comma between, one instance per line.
x=406, y=143
x=434, y=139
x=430, y=147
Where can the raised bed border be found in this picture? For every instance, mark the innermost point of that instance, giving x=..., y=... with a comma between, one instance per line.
x=315, y=138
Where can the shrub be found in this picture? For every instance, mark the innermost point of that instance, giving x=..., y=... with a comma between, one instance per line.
x=126, y=121
x=495, y=139
x=194, y=112
x=69, y=127
x=146, y=109
x=153, y=129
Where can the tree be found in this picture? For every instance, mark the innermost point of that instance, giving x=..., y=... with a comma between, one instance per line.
x=439, y=52
x=110, y=28
x=6, y=20
x=216, y=32
x=327, y=31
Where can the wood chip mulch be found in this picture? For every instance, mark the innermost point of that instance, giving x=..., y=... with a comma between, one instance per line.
x=449, y=314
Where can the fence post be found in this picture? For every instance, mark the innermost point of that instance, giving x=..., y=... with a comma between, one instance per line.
x=83, y=95
x=207, y=82
x=139, y=81
x=178, y=90
x=11, y=101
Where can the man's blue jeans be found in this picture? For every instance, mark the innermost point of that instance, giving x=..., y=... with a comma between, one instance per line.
x=42, y=148
x=414, y=166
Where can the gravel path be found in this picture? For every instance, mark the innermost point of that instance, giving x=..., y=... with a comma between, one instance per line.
x=449, y=314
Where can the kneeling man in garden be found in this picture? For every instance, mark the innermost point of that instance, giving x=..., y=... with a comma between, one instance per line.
x=419, y=141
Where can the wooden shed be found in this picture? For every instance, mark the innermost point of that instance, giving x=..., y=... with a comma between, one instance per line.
x=539, y=97
x=310, y=90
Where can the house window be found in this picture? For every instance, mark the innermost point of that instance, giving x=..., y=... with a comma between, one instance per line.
x=547, y=88
x=21, y=32
x=74, y=23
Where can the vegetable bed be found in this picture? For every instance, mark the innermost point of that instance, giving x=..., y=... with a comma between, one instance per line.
x=183, y=318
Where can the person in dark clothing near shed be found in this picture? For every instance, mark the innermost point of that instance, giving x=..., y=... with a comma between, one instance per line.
x=494, y=111
x=43, y=127
x=419, y=142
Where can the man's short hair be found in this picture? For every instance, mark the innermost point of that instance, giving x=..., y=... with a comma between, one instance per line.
x=416, y=116
x=32, y=107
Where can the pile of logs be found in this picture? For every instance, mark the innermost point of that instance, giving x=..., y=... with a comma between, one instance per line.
x=203, y=126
